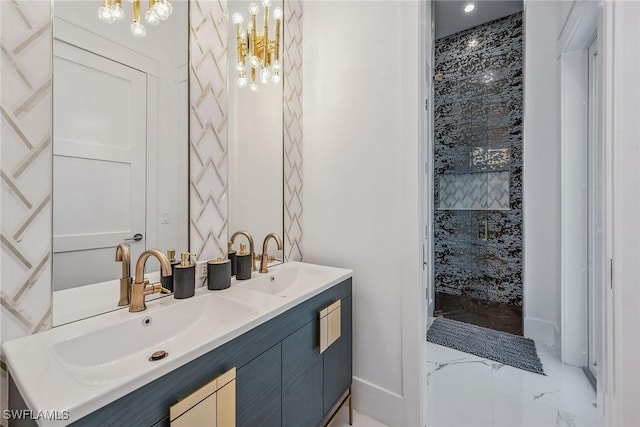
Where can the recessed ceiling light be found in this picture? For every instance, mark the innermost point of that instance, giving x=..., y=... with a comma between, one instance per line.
x=468, y=8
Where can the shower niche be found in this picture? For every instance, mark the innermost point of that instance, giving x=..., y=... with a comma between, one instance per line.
x=478, y=175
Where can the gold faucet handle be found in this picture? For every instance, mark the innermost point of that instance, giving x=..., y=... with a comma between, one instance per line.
x=164, y=290
x=152, y=288
x=185, y=258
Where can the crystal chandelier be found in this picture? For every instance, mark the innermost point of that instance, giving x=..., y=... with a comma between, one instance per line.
x=159, y=10
x=258, y=55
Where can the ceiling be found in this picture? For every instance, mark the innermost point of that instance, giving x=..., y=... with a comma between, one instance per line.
x=450, y=17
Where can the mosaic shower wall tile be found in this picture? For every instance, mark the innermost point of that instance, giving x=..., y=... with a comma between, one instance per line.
x=478, y=133
x=474, y=191
x=25, y=173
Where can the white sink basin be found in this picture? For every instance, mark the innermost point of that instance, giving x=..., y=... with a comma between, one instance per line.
x=122, y=349
x=286, y=281
x=85, y=365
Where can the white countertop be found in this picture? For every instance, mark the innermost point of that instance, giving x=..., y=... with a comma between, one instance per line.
x=47, y=382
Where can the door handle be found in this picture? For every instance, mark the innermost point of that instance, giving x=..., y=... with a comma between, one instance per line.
x=137, y=237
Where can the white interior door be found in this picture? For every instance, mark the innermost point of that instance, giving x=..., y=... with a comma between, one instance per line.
x=99, y=164
x=595, y=218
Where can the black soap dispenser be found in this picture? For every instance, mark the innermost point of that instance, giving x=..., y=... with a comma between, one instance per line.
x=243, y=261
x=184, y=277
x=167, y=281
x=231, y=254
x=218, y=274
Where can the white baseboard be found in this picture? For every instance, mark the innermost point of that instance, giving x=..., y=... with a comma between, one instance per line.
x=376, y=402
x=556, y=339
x=542, y=331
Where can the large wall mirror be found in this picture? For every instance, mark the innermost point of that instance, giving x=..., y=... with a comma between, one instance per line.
x=255, y=138
x=120, y=146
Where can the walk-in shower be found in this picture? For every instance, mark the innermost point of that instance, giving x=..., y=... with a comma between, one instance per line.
x=478, y=174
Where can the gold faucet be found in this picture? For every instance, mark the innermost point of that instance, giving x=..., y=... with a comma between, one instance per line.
x=140, y=289
x=246, y=234
x=265, y=256
x=124, y=256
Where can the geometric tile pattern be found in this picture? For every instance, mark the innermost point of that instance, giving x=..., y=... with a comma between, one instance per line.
x=293, y=130
x=25, y=172
x=208, y=145
x=474, y=191
x=498, y=190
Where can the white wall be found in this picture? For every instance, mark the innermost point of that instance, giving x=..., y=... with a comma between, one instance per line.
x=541, y=186
x=574, y=276
x=361, y=175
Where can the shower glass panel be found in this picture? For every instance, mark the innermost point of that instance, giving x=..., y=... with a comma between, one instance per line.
x=478, y=175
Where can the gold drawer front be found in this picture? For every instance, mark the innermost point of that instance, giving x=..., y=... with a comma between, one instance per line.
x=330, y=325
x=212, y=405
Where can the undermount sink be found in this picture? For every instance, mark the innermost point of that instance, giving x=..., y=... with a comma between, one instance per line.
x=287, y=280
x=119, y=350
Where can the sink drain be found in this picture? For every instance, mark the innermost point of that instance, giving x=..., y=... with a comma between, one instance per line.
x=158, y=355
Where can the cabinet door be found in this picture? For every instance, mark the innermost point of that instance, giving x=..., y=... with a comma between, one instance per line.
x=302, y=377
x=337, y=361
x=258, y=390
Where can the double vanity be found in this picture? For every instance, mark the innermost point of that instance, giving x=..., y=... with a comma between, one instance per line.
x=278, y=345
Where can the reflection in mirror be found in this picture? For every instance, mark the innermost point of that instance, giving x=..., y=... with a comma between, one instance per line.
x=255, y=140
x=120, y=147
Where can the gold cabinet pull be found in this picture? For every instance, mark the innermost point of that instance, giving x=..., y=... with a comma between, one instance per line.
x=330, y=325
x=212, y=405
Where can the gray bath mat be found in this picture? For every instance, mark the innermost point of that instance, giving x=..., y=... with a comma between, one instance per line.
x=509, y=349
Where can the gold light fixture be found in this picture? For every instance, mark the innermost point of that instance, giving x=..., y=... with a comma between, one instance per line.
x=258, y=55
x=159, y=10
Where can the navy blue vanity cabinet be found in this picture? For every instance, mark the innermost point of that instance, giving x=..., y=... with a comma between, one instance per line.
x=282, y=378
x=302, y=377
x=337, y=363
x=258, y=390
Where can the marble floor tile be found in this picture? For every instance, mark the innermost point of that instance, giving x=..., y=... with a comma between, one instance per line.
x=466, y=390
x=511, y=411
x=564, y=387
x=469, y=380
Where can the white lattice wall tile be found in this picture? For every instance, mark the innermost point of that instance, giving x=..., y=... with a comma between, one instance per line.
x=25, y=171
x=208, y=125
x=292, y=63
